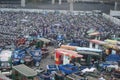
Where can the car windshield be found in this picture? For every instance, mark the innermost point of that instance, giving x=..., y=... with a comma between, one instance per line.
x=5, y=64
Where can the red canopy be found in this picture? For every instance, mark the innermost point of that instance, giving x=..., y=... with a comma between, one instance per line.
x=70, y=53
x=97, y=41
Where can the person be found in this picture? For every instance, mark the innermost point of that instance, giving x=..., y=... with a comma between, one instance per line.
x=101, y=78
x=112, y=78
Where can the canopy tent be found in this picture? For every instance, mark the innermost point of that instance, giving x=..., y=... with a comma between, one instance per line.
x=68, y=47
x=88, y=53
x=90, y=56
x=68, y=52
x=44, y=40
x=97, y=41
x=115, y=47
x=106, y=44
x=88, y=49
x=94, y=34
x=63, y=56
x=76, y=48
x=112, y=41
x=24, y=70
x=118, y=39
x=91, y=31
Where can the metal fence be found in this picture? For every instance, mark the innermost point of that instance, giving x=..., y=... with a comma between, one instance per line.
x=10, y=1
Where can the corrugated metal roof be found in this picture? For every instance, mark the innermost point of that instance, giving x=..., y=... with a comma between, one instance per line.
x=24, y=70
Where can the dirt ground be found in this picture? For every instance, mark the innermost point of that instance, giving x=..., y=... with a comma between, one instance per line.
x=48, y=60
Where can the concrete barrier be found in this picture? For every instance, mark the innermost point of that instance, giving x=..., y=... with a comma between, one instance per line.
x=114, y=13
x=46, y=11
x=112, y=19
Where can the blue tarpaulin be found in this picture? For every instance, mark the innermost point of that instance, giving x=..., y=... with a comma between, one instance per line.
x=60, y=37
x=68, y=68
x=113, y=57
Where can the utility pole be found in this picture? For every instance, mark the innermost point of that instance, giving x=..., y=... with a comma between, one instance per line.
x=113, y=1
x=53, y=1
x=60, y=2
x=22, y=3
x=115, y=7
x=71, y=5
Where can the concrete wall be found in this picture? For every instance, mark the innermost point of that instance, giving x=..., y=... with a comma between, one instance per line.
x=114, y=13
x=112, y=19
x=86, y=0
x=107, y=1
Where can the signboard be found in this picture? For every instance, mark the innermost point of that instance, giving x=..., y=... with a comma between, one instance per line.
x=66, y=59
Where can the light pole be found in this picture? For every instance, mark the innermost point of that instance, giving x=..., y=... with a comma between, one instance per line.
x=53, y=1
x=71, y=5
x=22, y=3
x=115, y=7
x=60, y=2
